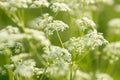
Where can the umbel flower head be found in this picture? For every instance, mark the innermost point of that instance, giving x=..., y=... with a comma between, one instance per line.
x=94, y=39
x=59, y=7
x=114, y=26
x=14, y=5
x=80, y=75
x=39, y=3
x=87, y=2
x=2, y=71
x=90, y=41
x=85, y=24
x=59, y=71
x=19, y=57
x=10, y=33
x=56, y=25
x=56, y=55
x=75, y=45
x=25, y=69
x=112, y=51
x=41, y=22
x=48, y=25
x=103, y=76
x=38, y=36
x=10, y=37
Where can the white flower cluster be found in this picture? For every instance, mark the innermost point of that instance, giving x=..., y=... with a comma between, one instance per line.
x=38, y=71
x=59, y=71
x=87, y=2
x=90, y=41
x=57, y=55
x=59, y=7
x=110, y=2
x=80, y=75
x=2, y=71
x=48, y=25
x=10, y=33
x=25, y=69
x=19, y=57
x=14, y=5
x=14, y=47
x=41, y=22
x=76, y=45
x=103, y=76
x=114, y=26
x=85, y=24
x=56, y=25
x=18, y=47
x=39, y=3
x=10, y=37
x=113, y=51
x=94, y=39
x=38, y=36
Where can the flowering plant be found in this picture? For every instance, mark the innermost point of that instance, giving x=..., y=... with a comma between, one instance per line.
x=53, y=40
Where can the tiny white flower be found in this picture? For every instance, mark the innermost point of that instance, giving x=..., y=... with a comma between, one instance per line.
x=59, y=7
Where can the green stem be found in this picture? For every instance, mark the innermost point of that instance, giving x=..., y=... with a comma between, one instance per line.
x=56, y=14
x=21, y=19
x=33, y=48
x=10, y=73
x=71, y=71
x=60, y=39
x=43, y=74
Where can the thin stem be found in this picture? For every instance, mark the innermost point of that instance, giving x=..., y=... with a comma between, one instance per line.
x=56, y=14
x=10, y=73
x=17, y=18
x=71, y=71
x=13, y=17
x=21, y=19
x=83, y=57
x=43, y=73
x=41, y=10
x=11, y=77
x=60, y=39
x=33, y=48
